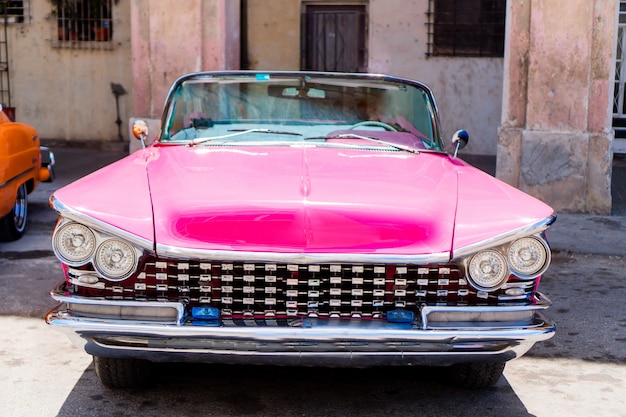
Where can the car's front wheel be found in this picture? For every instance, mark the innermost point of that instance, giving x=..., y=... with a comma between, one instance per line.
x=12, y=225
x=476, y=375
x=121, y=372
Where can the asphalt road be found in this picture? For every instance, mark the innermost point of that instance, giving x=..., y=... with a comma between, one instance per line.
x=580, y=372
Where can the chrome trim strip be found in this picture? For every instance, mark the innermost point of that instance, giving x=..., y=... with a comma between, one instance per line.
x=300, y=257
x=542, y=303
x=434, y=116
x=535, y=228
x=322, y=340
x=68, y=213
x=496, y=333
x=327, y=330
x=62, y=296
x=17, y=177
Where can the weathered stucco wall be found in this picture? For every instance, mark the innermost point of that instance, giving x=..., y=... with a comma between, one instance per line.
x=66, y=93
x=555, y=141
x=468, y=90
x=273, y=34
x=166, y=45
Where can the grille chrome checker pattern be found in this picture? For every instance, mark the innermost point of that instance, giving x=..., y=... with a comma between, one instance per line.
x=274, y=290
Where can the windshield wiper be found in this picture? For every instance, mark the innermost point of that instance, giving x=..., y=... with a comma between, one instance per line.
x=276, y=132
x=239, y=132
x=368, y=138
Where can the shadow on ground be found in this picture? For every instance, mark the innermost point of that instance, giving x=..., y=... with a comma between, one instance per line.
x=219, y=390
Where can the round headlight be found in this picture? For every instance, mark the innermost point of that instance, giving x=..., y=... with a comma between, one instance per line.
x=74, y=243
x=528, y=257
x=488, y=270
x=115, y=259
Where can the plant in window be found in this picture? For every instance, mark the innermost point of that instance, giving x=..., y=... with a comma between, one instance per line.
x=83, y=20
x=101, y=19
x=64, y=12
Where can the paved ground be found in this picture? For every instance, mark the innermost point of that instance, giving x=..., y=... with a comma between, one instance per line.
x=618, y=181
x=580, y=372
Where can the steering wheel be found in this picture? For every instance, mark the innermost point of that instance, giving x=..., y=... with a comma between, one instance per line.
x=374, y=123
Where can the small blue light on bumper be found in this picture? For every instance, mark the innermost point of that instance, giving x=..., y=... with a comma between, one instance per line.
x=400, y=316
x=205, y=313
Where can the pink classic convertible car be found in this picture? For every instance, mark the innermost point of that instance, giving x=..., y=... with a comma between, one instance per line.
x=300, y=218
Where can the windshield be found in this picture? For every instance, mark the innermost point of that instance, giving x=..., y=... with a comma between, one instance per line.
x=325, y=109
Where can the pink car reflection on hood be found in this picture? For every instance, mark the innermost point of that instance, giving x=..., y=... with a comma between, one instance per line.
x=302, y=199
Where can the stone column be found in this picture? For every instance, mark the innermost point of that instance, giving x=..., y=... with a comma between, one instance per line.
x=555, y=140
x=170, y=38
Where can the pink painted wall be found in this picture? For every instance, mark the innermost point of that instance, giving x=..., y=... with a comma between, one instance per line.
x=559, y=66
x=167, y=44
x=555, y=139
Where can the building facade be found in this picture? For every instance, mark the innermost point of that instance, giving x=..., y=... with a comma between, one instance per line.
x=60, y=81
x=517, y=75
x=393, y=37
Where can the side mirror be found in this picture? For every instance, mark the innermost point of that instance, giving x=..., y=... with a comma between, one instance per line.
x=140, y=131
x=459, y=140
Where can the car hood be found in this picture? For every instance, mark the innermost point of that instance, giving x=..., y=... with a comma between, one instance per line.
x=300, y=199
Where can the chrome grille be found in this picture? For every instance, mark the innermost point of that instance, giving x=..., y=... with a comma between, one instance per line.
x=274, y=290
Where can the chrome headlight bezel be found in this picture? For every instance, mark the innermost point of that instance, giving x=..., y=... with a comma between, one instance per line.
x=96, y=256
x=78, y=235
x=530, y=249
x=115, y=259
x=487, y=270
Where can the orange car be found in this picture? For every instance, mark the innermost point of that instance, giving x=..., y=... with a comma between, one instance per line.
x=23, y=164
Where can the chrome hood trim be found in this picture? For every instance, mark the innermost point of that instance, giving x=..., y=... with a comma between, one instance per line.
x=534, y=228
x=300, y=258
x=69, y=214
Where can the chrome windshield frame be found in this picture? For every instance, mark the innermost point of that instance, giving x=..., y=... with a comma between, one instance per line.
x=264, y=76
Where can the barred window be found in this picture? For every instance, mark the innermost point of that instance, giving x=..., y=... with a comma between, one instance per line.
x=13, y=11
x=83, y=21
x=466, y=28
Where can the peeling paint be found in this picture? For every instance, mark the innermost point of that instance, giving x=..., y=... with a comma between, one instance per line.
x=548, y=163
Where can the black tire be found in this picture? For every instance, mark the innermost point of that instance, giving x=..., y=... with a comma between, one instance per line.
x=13, y=225
x=121, y=372
x=476, y=375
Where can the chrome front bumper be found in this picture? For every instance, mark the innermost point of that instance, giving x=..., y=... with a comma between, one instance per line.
x=439, y=336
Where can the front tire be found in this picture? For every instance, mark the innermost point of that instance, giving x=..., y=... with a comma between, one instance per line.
x=121, y=372
x=476, y=375
x=13, y=225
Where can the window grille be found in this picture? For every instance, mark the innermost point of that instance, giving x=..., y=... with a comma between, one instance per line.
x=619, y=92
x=83, y=24
x=466, y=28
x=15, y=11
